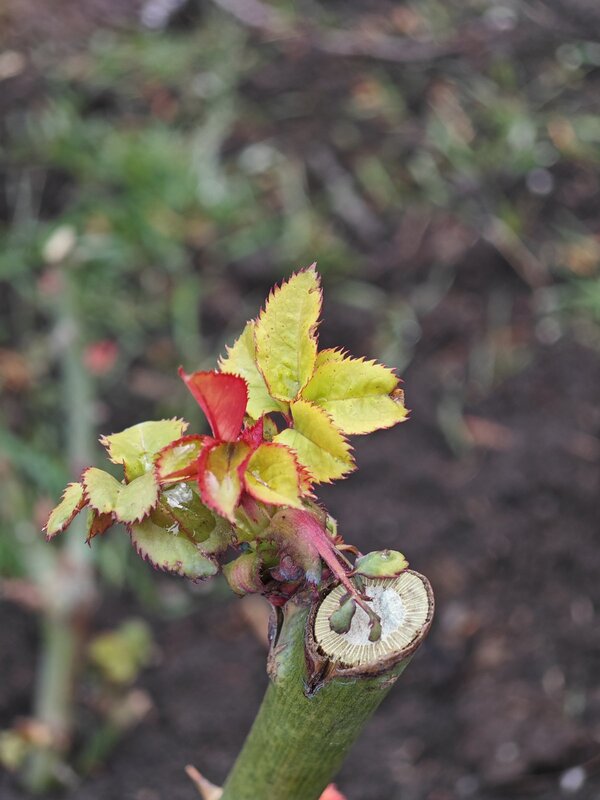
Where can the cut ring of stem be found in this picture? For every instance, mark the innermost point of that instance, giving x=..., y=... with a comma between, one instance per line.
x=401, y=603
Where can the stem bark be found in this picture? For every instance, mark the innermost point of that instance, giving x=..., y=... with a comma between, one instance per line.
x=312, y=713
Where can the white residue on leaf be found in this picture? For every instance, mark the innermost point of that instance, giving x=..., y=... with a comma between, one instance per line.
x=179, y=495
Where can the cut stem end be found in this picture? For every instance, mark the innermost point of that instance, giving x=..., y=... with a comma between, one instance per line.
x=404, y=607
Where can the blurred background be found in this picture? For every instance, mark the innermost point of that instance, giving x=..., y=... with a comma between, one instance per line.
x=162, y=164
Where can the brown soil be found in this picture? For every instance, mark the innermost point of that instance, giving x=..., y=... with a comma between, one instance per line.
x=503, y=697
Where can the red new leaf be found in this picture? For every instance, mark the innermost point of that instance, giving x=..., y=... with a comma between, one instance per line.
x=255, y=434
x=219, y=476
x=223, y=398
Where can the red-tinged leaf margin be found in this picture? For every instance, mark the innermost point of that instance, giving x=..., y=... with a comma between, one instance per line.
x=69, y=519
x=205, y=494
x=178, y=567
x=185, y=472
x=299, y=471
x=142, y=511
x=98, y=524
x=84, y=480
x=222, y=397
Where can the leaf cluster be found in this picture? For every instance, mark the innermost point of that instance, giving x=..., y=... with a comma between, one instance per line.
x=323, y=396
x=280, y=413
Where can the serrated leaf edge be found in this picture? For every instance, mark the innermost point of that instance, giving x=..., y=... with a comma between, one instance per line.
x=105, y=437
x=275, y=290
x=170, y=571
x=123, y=485
x=182, y=440
x=80, y=506
x=348, y=445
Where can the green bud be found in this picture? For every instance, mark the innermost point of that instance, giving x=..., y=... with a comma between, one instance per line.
x=381, y=564
x=341, y=620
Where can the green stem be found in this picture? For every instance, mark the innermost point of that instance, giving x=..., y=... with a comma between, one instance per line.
x=313, y=711
x=67, y=585
x=53, y=698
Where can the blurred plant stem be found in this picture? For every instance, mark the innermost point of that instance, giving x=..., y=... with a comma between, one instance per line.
x=66, y=581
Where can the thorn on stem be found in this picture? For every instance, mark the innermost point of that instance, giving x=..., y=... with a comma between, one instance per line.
x=207, y=790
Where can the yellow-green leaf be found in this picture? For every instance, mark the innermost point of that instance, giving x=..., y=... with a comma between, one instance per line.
x=136, y=447
x=71, y=504
x=319, y=445
x=286, y=334
x=271, y=475
x=120, y=654
x=101, y=490
x=136, y=500
x=128, y=502
x=171, y=551
x=219, y=477
x=359, y=396
x=241, y=360
x=330, y=354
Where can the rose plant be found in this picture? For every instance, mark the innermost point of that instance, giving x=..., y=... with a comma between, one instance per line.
x=241, y=501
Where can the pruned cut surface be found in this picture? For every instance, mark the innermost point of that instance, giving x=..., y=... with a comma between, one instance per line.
x=401, y=603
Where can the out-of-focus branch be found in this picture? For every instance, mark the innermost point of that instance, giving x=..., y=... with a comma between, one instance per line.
x=346, y=201
x=477, y=38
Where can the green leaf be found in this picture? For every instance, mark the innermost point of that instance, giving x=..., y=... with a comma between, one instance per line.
x=219, y=540
x=359, y=396
x=286, y=334
x=271, y=475
x=128, y=502
x=137, y=446
x=171, y=552
x=122, y=653
x=381, y=564
x=241, y=360
x=72, y=502
x=219, y=476
x=137, y=499
x=178, y=456
x=183, y=505
x=319, y=445
x=101, y=490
